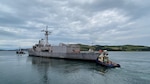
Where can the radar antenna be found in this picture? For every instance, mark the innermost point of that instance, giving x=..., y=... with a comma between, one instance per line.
x=46, y=35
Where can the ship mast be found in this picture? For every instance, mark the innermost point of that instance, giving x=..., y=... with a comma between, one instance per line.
x=46, y=35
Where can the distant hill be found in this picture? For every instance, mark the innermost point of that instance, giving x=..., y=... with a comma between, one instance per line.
x=6, y=50
x=12, y=49
x=115, y=48
x=84, y=47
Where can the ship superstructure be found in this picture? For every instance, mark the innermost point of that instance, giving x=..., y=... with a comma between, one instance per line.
x=65, y=51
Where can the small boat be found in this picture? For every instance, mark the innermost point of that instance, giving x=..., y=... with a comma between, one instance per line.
x=20, y=51
x=103, y=60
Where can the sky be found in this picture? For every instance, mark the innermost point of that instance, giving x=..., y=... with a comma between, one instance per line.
x=92, y=22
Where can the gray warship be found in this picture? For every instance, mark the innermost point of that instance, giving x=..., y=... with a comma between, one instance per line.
x=62, y=51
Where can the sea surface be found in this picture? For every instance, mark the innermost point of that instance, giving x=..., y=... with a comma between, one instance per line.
x=22, y=69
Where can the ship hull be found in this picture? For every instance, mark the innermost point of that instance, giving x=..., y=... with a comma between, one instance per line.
x=108, y=65
x=76, y=56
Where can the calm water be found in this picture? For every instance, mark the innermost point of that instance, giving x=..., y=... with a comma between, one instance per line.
x=14, y=69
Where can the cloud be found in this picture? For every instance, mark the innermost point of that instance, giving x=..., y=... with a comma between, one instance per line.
x=74, y=21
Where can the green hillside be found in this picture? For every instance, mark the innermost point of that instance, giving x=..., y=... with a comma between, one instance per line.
x=115, y=48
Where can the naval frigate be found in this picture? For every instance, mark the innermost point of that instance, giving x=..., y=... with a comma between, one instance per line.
x=62, y=51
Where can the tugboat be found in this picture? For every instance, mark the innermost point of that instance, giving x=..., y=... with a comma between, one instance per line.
x=103, y=60
x=20, y=51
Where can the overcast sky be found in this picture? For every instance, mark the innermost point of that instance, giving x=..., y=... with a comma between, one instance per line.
x=101, y=22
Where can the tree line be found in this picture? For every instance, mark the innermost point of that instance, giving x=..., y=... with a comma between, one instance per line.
x=115, y=48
